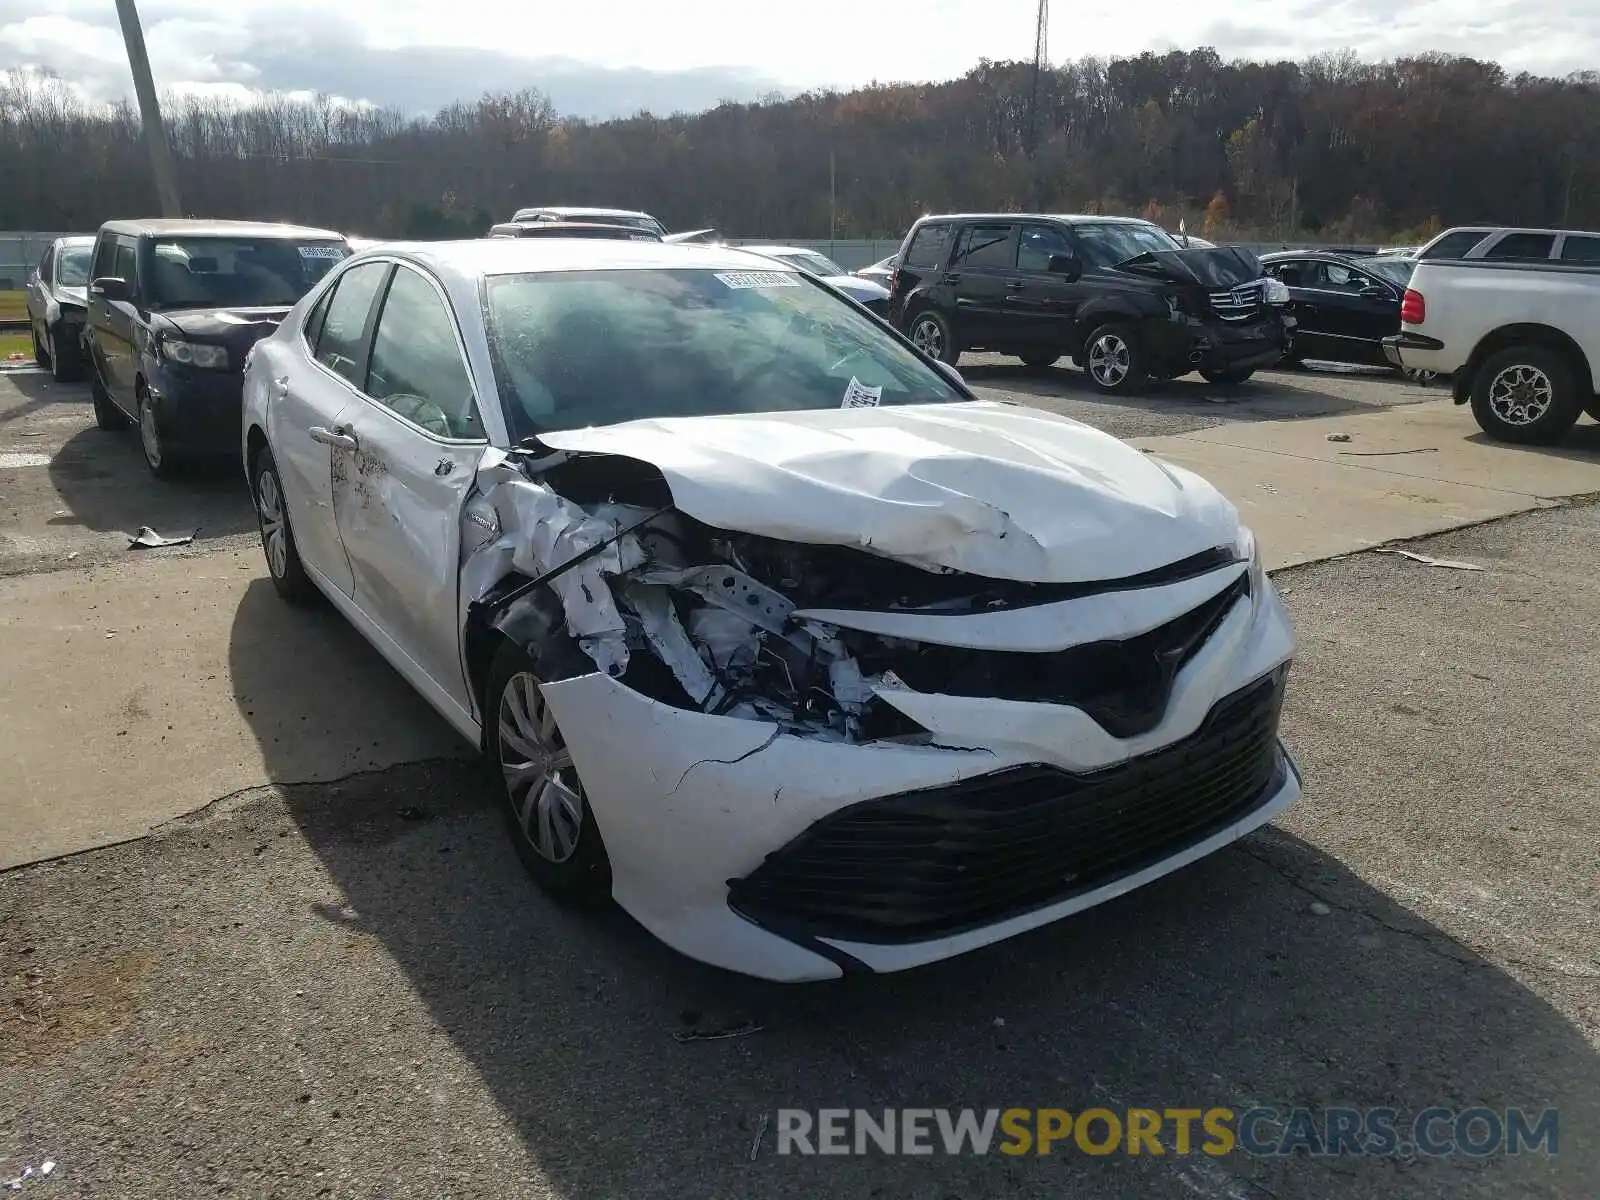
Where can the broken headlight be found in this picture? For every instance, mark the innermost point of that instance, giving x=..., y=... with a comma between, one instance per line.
x=194, y=354
x=1275, y=291
x=1245, y=547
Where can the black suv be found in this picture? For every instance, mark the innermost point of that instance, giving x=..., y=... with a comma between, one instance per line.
x=1120, y=296
x=174, y=308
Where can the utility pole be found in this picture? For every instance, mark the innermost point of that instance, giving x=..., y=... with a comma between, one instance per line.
x=155, y=133
x=1041, y=52
x=833, y=204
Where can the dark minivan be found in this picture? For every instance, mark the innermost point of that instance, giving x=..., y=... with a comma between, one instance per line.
x=1119, y=295
x=174, y=308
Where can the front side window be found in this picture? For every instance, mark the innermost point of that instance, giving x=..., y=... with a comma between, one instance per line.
x=44, y=264
x=72, y=266
x=581, y=348
x=1037, y=244
x=237, y=272
x=416, y=367
x=339, y=341
x=1107, y=245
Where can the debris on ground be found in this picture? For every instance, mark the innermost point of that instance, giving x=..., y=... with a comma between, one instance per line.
x=1338, y=437
x=1319, y=909
x=744, y=1029
x=149, y=539
x=1388, y=453
x=1426, y=560
x=761, y=1132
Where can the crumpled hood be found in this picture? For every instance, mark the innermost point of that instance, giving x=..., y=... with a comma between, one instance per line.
x=996, y=490
x=225, y=325
x=74, y=295
x=857, y=288
x=1208, y=266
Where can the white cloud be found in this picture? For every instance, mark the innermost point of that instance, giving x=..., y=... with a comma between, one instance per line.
x=693, y=52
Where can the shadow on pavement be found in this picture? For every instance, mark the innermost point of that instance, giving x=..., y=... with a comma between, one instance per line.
x=1217, y=986
x=1582, y=443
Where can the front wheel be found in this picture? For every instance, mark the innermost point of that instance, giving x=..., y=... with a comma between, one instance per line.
x=1114, y=360
x=1526, y=394
x=157, y=456
x=547, y=810
x=65, y=360
x=41, y=357
x=1227, y=378
x=106, y=414
x=931, y=334
x=277, y=539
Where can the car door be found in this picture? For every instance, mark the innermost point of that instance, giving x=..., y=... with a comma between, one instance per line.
x=1351, y=319
x=407, y=455
x=314, y=380
x=1042, y=304
x=980, y=274
x=118, y=329
x=1300, y=276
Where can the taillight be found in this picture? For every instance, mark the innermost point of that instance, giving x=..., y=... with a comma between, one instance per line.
x=894, y=277
x=1413, y=308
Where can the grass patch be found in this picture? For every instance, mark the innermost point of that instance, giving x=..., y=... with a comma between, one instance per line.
x=15, y=343
x=13, y=306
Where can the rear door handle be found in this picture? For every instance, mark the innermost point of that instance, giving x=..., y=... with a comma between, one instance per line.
x=333, y=437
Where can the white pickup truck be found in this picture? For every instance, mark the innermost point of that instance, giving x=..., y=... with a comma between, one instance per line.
x=1522, y=340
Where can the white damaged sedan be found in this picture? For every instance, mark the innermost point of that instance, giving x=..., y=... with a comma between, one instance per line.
x=812, y=661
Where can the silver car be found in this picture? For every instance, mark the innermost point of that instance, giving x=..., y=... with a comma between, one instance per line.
x=58, y=300
x=775, y=634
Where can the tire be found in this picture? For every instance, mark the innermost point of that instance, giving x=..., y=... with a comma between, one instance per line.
x=1113, y=360
x=931, y=333
x=162, y=462
x=40, y=357
x=1039, y=362
x=65, y=363
x=1227, y=378
x=106, y=414
x=1593, y=408
x=277, y=538
x=1526, y=395
x=560, y=845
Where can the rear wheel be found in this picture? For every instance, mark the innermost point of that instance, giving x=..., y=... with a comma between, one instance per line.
x=106, y=414
x=1113, y=360
x=931, y=334
x=277, y=539
x=1227, y=378
x=65, y=357
x=1526, y=394
x=547, y=810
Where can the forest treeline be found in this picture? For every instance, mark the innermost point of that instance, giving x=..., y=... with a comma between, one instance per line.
x=1328, y=148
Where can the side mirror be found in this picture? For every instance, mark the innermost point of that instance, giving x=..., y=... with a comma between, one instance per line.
x=110, y=287
x=950, y=373
x=1067, y=266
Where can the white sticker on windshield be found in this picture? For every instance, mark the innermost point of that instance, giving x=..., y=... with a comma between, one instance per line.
x=857, y=395
x=760, y=279
x=321, y=252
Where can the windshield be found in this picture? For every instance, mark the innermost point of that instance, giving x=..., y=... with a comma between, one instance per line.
x=581, y=348
x=1396, y=270
x=237, y=272
x=1108, y=245
x=72, y=266
x=812, y=262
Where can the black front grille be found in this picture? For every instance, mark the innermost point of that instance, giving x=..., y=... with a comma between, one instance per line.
x=932, y=863
x=1242, y=303
x=1123, y=685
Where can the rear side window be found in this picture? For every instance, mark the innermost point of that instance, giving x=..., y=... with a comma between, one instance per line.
x=986, y=246
x=1522, y=247
x=1580, y=249
x=416, y=368
x=338, y=345
x=930, y=247
x=1454, y=245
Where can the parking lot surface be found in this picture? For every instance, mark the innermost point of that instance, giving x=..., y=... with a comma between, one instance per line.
x=347, y=987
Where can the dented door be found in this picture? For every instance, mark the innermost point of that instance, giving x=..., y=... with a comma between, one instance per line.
x=408, y=453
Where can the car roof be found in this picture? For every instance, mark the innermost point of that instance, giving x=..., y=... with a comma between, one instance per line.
x=77, y=239
x=1335, y=255
x=193, y=227
x=462, y=262
x=556, y=228
x=1067, y=218
x=571, y=210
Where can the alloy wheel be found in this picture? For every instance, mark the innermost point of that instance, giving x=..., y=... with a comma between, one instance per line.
x=1109, y=360
x=149, y=436
x=546, y=794
x=927, y=336
x=274, y=533
x=1521, y=394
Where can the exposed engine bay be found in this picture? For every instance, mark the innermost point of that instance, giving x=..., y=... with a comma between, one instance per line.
x=590, y=550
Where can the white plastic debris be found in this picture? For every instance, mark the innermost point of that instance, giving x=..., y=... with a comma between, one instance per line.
x=46, y=1167
x=1319, y=909
x=149, y=539
x=1450, y=563
x=761, y=1132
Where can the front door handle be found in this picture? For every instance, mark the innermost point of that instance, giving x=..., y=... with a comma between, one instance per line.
x=1016, y=285
x=333, y=437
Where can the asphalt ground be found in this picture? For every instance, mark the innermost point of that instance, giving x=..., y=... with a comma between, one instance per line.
x=351, y=989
